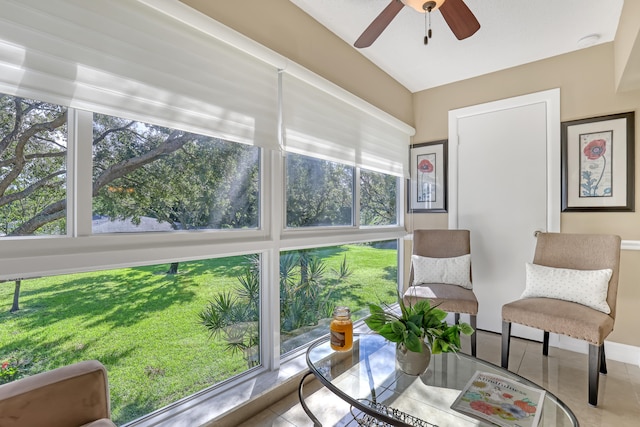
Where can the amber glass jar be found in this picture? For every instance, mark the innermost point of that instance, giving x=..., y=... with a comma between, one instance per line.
x=341, y=329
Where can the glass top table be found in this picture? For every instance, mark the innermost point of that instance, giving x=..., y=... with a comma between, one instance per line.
x=366, y=377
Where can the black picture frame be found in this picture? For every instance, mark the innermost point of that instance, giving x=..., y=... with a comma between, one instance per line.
x=598, y=164
x=427, y=185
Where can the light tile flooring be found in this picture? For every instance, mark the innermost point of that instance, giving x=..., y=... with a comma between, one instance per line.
x=564, y=373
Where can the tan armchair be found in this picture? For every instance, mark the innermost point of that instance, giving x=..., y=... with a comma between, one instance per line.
x=444, y=244
x=75, y=395
x=586, y=252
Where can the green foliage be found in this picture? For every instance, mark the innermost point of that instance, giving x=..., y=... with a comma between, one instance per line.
x=417, y=323
x=33, y=146
x=319, y=192
x=234, y=316
x=305, y=298
x=140, y=170
x=305, y=295
x=378, y=195
x=187, y=180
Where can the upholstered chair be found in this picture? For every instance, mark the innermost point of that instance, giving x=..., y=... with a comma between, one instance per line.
x=72, y=396
x=441, y=273
x=576, y=297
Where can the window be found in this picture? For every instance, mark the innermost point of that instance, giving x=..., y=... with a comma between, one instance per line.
x=314, y=281
x=161, y=336
x=378, y=199
x=33, y=154
x=152, y=178
x=319, y=192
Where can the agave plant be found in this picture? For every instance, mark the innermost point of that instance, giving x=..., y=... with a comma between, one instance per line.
x=416, y=324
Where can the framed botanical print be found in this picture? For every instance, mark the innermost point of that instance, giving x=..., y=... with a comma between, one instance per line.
x=427, y=187
x=598, y=164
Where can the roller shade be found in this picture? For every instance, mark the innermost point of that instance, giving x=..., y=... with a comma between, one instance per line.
x=319, y=124
x=123, y=58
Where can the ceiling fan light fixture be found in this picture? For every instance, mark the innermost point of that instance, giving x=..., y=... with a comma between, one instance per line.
x=423, y=6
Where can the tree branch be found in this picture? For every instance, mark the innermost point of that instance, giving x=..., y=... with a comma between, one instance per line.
x=174, y=141
x=19, y=159
x=10, y=161
x=49, y=214
x=4, y=200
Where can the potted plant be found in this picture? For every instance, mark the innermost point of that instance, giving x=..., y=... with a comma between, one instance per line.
x=419, y=331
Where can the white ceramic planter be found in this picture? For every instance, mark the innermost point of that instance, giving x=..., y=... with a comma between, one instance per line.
x=411, y=362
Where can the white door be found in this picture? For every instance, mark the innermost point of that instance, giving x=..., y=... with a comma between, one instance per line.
x=505, y=157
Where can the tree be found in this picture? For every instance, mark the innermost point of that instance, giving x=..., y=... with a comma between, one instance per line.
x=32, y=166
x=378, y=198
x=319, y=192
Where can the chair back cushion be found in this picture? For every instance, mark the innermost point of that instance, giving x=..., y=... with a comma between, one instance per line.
x=450, y=271
x=582, y=252
x=586, y=287
x=440, y=244
x=69, y=396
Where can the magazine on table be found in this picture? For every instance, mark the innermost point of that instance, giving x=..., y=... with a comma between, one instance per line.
x=500, y=400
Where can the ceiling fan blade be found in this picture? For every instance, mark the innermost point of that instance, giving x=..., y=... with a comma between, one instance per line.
x=379, y=24
x=460, y=19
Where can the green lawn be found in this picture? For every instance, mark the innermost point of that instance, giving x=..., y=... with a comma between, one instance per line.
x=142, y=324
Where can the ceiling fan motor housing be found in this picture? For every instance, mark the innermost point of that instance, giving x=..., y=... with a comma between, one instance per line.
x=423, y=6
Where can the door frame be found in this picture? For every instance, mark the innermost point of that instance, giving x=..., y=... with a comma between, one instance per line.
x=551, y=99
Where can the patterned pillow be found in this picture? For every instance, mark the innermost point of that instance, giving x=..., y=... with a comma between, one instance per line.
x=586, y=287
x=452, y=271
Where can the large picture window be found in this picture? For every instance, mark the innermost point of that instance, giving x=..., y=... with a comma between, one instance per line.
x=153, y=178
x=33, y=154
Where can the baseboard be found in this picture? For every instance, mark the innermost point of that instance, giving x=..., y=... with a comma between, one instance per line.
x=614, y=351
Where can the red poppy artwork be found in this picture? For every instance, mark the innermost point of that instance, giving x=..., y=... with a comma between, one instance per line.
x=598, y=164
x=426, y=187
x=595, y=165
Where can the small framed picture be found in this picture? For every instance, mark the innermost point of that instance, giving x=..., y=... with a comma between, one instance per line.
x=427, y=187
x=598, y=164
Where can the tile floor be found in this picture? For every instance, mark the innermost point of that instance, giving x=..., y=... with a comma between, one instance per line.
x=564, y=373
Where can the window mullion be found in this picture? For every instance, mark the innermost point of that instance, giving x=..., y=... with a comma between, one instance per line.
x=79, y=173
x=356, y=197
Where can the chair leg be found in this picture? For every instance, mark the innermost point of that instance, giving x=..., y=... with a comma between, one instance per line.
x=545, y=344
x=506, y=335
x=472, y=320
x=595, y=356
x=456, y=318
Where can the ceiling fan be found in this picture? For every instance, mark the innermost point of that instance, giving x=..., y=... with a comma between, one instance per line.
x=460, y=19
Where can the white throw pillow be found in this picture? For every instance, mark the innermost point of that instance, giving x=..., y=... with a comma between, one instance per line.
x=586, y=287
x=452, y=271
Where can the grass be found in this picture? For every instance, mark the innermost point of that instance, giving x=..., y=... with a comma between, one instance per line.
x=142, y=324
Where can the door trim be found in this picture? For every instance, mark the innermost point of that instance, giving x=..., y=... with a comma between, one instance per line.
x=551, y=99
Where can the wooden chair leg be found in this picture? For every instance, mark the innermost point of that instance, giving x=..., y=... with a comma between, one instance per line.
x=472, y=320
x=506, y=335
x=545, y=343
x=595, y=356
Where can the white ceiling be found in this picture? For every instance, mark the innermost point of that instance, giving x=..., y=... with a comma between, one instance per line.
x=512, y=32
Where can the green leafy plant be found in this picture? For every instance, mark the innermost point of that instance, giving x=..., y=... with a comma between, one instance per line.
x=417, y=323
x=8, y=371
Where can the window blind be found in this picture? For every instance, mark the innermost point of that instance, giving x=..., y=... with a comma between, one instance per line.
x=124, y=58
x=317, y=123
